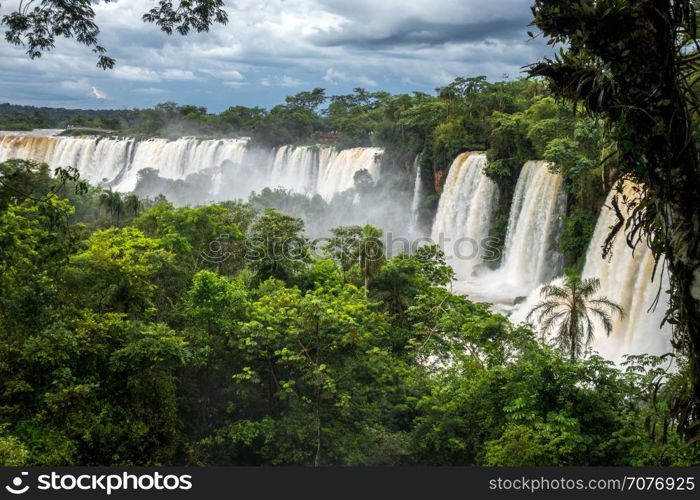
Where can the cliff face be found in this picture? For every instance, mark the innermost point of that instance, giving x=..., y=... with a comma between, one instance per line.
x=439, y=176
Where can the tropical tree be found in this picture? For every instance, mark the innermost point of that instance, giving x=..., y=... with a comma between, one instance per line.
x=310, y=100
x=121, y=270
x=201, y=237
x=433, y=265
x=310, y=354
x=342, y=246
x=276, y=246
x=148, y=364
x=31, y=180
x=358, y=246
x=636, y=64
x=132, y=205
x=397, y=283
x=35, y=244
x=35, y=27
x=569, y=310
x=112, y=204
x=370, y=253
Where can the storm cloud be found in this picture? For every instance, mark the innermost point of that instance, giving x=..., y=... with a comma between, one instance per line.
x=273, y=48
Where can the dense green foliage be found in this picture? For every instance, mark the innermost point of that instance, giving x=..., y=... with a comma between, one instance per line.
x=635, y=64
x=151, y=339
x=132, y=332
x=515, y=121
x=15, y=117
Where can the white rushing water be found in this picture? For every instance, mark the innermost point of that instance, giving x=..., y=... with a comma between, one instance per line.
x=464, y=213
x=180, y=158
x=337, y=169
x=235, y=169
x=418, y=195
x=296, y=169
x=531, y=255
x=626, y=279
x=116, y=162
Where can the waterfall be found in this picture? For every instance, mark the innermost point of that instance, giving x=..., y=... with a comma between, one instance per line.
x=418, y=195
x=338, y=171
x=531, y=256
x=235, y=169
x=464, y=213
x=116, y=161
x=296, y=169
x=180, y=158
x=626, y=279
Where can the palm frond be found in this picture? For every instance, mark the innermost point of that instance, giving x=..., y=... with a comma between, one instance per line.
x=554, y=291
x=566, y=310
x=589, y=286
x=606, y=302
x=589, y=329
x=562, y=336
x=545, y=307
x=605, y=318
x=547, y=324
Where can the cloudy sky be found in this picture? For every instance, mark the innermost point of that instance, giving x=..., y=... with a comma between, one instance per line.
x=273, y=48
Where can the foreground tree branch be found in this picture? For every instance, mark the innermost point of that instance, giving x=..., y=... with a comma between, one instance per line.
x=35, y=25
x=632, y=62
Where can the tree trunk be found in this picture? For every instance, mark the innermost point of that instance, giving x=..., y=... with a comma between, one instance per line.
x=366, y=284
x=317, y=459
x=572, y=336
x=631, y=72
x=674, y=175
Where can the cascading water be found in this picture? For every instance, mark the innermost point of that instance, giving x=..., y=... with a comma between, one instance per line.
x=337, y=171
x=463, y=218
x=234, y=168
x=296, y=168
x=418, y=195
x=180, y=158
x=626, y=279
x=531, y=255
x=116, y=162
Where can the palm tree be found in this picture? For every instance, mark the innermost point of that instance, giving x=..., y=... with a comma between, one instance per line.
x=568, y=310
x=116, y=206
x=132, y=205
x=370, y=253
x=112, y=203
x=358, y=246
x=104, y=201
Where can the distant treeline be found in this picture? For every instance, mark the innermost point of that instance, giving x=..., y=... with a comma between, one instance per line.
x=514, y=121
x=16, y=117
